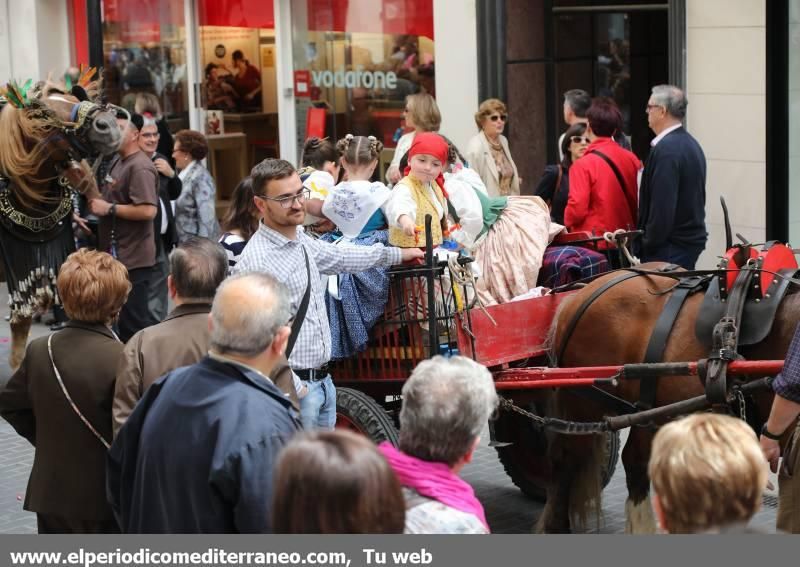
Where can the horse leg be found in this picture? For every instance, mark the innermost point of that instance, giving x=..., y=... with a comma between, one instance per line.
x=555, y=516
x=638, y=510
x=20, y=330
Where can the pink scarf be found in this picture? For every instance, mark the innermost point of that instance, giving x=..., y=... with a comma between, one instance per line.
x=433, y=480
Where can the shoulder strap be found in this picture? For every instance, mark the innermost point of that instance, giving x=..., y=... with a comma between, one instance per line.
x=557, y=188
x=77, y=411
x=620, y=180
x=301, y=311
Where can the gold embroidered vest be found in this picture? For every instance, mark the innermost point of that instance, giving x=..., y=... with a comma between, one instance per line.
x=424, y=207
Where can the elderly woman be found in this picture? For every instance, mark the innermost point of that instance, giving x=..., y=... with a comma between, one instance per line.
x=488, y=153
x=422, y=114
x=335, y=482
x=446, y=404
x=60, y=399
x=195, y=208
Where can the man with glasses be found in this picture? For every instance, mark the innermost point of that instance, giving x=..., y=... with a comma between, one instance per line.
x=283, y=249
x=166, y=235
x=672, y=198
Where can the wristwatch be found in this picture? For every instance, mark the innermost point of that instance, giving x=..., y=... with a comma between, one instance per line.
x=768, y=434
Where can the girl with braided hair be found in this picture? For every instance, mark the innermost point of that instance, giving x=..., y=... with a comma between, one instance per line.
x=356, y=301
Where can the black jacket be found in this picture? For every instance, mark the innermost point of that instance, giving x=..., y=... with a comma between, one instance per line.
x=547, y=187
x=672, y=198
x=197, y=453
x=169, y=189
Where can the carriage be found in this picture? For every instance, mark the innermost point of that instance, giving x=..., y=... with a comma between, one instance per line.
x=514, y=341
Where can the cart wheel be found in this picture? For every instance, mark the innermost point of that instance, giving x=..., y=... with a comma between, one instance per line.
x=525, y=460
x=356, y=411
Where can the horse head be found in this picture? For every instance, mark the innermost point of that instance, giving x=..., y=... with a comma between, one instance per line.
x=46, y=129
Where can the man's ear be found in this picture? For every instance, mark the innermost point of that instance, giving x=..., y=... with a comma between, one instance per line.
x=658, y=509
x=210, y=323
x=261, y=205
x=171, y=289
x=278, y=346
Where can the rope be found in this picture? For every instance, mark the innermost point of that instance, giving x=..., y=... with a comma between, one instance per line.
x=461, y=275
x=621, y=243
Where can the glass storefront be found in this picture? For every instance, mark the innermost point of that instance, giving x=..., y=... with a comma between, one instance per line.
x=355, y=61
x=794, y=121
x=144, y=47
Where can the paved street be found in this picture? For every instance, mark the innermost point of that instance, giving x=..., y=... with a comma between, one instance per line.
x=507, y=510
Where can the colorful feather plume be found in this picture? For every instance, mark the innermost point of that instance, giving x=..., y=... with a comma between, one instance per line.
x=87, y=75
x=18, y=95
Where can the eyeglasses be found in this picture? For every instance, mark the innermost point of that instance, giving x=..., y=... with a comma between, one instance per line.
x=496, y=117
x=151, y=136
x=579, y=139
x=288, y=201
x=652, y=106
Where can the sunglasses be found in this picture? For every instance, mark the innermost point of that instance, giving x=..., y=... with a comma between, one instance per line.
x=496, y=117
x=579, y=139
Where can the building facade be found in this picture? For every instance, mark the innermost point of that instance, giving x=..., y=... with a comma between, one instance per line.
x=344, y=66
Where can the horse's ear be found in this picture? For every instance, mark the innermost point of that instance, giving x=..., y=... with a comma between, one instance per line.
x=79, y=92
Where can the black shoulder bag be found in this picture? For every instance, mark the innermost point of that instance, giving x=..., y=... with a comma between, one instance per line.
x=301, y=311
x=621, y=182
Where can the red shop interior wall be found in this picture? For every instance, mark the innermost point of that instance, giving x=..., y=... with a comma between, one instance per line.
x=400, y=17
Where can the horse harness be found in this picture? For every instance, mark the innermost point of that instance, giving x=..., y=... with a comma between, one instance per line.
x=741, y=301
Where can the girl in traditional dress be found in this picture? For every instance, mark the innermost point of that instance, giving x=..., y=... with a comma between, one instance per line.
x=421, y=192
x=356, y=301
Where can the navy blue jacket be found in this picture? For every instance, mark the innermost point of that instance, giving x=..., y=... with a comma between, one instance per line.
x=672, y=198
x=198, y=451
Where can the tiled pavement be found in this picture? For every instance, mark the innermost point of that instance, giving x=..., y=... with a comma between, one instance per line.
x=507, y=509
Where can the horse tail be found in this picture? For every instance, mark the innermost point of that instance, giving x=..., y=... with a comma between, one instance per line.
x=585, y=498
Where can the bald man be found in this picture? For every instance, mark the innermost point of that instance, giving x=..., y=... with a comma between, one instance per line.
x=197, y=453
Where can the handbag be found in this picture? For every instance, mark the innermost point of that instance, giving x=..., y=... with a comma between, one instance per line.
x=75, y=408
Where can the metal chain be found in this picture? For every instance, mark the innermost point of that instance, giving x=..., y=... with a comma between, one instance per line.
x=556, y=425
x=742, y=408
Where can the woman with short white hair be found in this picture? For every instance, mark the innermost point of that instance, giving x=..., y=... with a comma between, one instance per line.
x=446, y=404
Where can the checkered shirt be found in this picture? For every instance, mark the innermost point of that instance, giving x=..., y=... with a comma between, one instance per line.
x=787, y=383
x=270, y=252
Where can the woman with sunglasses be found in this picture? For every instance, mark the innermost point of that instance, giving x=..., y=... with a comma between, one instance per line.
x=488, y=152
x=554, y=185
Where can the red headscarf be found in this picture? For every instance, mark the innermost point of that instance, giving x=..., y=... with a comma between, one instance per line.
x=432, y=144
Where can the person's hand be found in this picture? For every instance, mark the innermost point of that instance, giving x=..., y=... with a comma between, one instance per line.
x=772, y=452
x=100, y=207
x=81, y=223
x=394, y=174
x=411, y=254
x=407, y=225
x=164, y=168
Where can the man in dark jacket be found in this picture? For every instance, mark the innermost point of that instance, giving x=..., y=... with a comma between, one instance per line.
x=197, y=453
x=672, y=198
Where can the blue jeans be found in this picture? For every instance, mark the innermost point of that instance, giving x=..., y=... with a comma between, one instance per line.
x=318, y=407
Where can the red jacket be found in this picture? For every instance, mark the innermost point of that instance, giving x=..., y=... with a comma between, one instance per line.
x=596, y=203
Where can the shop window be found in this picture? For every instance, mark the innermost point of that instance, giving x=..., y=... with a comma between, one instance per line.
x=144, y=47
x=356, y=61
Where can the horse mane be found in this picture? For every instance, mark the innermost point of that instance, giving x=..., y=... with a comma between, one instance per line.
x=20, y=161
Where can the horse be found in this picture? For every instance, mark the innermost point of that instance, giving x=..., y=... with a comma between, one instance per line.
x=615, y=330
x=47, y=134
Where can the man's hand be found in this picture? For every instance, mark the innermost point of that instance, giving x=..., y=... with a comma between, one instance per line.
x=100, y=207
x=81, y=223
x=164, y=168
x=772, y=452
x=411, y=254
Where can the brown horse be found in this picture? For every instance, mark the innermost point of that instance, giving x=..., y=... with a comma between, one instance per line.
x=616, y=329
x=46, y=134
